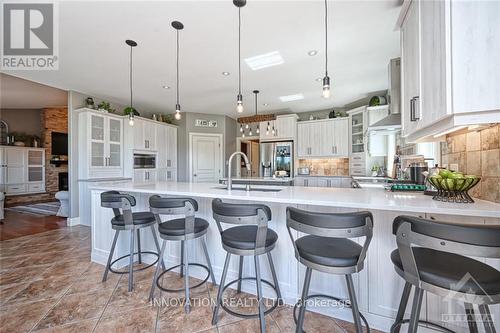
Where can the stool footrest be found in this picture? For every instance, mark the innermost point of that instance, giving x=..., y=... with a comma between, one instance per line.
x=181, y=289
x=253, y=315
x=327, y=297
x=137, y=269
x=425, y=322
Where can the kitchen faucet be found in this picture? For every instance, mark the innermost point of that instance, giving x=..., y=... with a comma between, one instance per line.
x=229, y=178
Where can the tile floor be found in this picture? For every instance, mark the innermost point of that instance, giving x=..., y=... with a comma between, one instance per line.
x=48, y=284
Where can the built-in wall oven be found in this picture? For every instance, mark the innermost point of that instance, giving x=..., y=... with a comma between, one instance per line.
x=144, y=161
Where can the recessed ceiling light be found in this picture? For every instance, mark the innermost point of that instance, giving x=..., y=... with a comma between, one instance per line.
x=225, y=73
x=290, y=98
x=264, y=60
x=312, y=52
x=319, y=79
x=266, y=104
x=165, y=87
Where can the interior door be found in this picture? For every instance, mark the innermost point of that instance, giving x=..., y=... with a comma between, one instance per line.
x=206, y=158
x=255, y=158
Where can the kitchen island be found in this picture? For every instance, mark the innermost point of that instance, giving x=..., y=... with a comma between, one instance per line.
x=378, y=287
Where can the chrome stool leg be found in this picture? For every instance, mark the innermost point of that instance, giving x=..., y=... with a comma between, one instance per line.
x=489, y=326
x=471, y=319
x=187, y=306
x=240, y=274
x=157, y=270
x=221, y=289
x=415, y=310
x=131, y=264
x=212, y=276
x=182, y=259
x=157, y=244
x=110, y=257
x=395, y=328
x=260, y=296
x=303, y=300
x=275, y=277
x=139, y=245
x=354, y=304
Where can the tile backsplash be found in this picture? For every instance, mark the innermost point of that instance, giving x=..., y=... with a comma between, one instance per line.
x=477, y=153
x=326, y=166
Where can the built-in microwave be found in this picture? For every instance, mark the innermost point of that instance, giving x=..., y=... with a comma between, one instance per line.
x=144, y=161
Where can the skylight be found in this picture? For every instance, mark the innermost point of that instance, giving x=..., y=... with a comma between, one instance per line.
x=264, y=60
x=290, y=98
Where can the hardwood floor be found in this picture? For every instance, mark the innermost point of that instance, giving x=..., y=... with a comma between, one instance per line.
x=18, y=225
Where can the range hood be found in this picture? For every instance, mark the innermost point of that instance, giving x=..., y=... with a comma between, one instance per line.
x=391, y=123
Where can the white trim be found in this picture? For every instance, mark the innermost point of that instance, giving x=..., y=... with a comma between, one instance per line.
x=190, y=153
x=72, y=221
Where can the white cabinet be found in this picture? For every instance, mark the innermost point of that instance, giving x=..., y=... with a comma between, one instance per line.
x=449, y=54
x=340, y=182
x=146, y=176
x=100, y=144
x=284, y=126
x=145, y=135
x=22, y=170
x=323, y=138
x=166, y=138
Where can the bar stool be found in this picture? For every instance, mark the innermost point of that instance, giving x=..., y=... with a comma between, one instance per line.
x=182, y=229
x=327, y=248
x=251, y=238
x=431, y=256
x=126, y=220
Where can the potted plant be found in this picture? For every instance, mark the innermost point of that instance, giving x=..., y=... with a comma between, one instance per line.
x=130, y=110
x=105, y=106
x=89, y=101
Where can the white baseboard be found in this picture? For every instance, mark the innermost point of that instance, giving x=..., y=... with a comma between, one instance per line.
x=72, y=221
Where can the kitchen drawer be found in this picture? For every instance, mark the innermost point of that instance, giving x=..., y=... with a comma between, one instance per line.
x=13, y=189
x=35, y=187
x=357, y=172
x=357, y=165
x=357, y=158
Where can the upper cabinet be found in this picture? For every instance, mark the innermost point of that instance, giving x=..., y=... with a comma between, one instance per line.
x=284, y=126
x=100, y=150
x=144, y=134
x=323, y=138
x=449, y=62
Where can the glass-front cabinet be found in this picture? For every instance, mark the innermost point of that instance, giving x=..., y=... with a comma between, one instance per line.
x=358, y=133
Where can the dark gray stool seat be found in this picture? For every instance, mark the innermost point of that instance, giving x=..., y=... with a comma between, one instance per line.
x=137, y=218
x=446, y=270
x=243, y=237
x=335, y=252
x=435, y=257
x=177, y=227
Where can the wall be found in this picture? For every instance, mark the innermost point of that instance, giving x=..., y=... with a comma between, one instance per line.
x=23, y=120
x=326, y=166
x=225, y=126
x=53, y=120
x=477, y=153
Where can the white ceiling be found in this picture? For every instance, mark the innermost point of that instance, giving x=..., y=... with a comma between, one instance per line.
x=17, y=93
x=94, y=58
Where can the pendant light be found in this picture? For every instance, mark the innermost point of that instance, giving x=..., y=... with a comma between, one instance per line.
x=326, y=79
x=177, y=26
x=256, y=92
x=239, y=98
x=132, y=44
x=250, y=132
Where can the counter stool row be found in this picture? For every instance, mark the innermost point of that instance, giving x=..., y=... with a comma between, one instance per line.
x=431, y=256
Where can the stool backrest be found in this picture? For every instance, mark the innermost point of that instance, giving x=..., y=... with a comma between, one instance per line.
x=334, y=225
x=175, y=206
x=468, y=240
x=117, y=201
x=255, y=214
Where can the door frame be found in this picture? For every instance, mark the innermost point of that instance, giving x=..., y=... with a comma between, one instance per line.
x=190, y=153
x=239, y=139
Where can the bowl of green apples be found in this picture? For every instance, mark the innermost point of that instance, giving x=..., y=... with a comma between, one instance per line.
x=453, y=186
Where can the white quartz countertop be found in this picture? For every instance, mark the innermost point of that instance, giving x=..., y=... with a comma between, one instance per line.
x=261, y=179
x=370, y=198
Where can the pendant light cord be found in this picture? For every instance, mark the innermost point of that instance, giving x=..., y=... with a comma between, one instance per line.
x=131, y=78
x=239, y=50
x=326, y=38
x=177, y=66
x=256, y=103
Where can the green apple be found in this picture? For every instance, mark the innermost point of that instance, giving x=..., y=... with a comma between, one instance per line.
x=445, y=173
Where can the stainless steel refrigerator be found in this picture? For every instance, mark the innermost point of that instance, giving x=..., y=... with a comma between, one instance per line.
x=275, y=157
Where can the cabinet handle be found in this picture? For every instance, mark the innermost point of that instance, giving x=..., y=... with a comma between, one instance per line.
x=415, y=107
x=413, y=116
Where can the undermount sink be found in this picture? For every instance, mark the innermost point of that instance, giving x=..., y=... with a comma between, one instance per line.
x=252, y=189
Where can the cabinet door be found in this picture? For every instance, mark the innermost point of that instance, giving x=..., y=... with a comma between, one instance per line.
x=97, y=141
x=341, y=132
x=15, y=157
x=303, y=140
x=139, y=140
x=327, y=140
x=323, y=182
x=35, y=157
x=150, y=135
x=285, y=127
x=172, y=147
x=115, y=142
x=15, y=175
x=161, y=141
x=317, y=133
x=35, y=174
x=410, y=68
